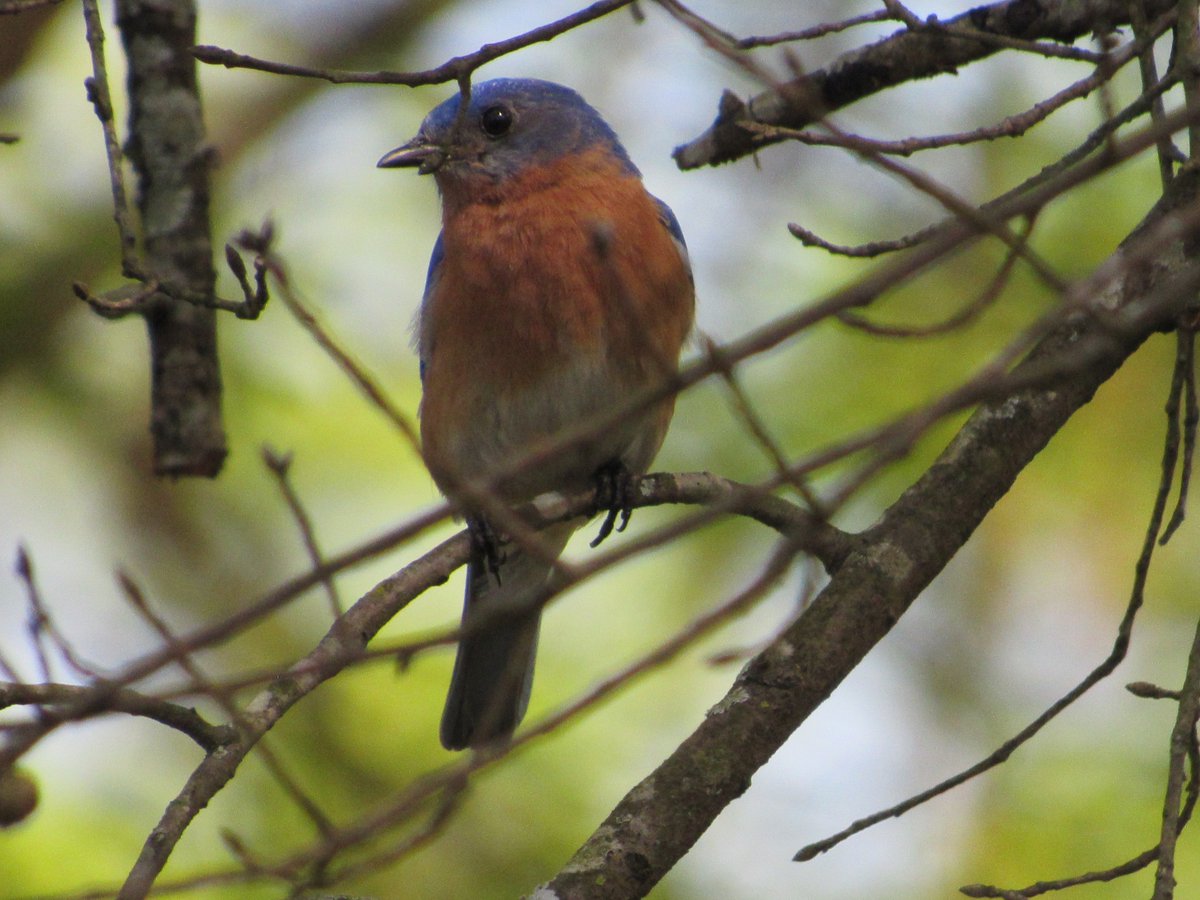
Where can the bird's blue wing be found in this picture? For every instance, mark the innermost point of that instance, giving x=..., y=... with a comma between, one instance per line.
x=667, y=217
x=431, y=277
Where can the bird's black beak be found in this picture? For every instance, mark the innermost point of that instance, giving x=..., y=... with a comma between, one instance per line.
x=418, y=152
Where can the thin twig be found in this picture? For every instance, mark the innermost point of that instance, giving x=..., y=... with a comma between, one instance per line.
x=1136, y=864
x=817, y=31
x=1168, y=153
x=964, y=316
x=451, y=70
x=101, y=99
x=758, y=428
x=279, y=465
x=1185, y=371
x=41, y=625
x=1183, y=747
x=36, y=623
x=1008, y=42
x=357, y=374
x=183, y=719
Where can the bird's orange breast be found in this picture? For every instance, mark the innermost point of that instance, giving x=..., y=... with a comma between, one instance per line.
x=568, y=268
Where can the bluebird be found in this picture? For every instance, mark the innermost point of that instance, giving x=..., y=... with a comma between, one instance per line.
x=558, y=287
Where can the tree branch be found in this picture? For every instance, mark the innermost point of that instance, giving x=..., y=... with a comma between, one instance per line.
x=453, y=69
x=168, y=150
x=905, y=56
x=181, y=718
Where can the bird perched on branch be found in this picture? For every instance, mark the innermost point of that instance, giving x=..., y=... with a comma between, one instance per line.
x=558, y=290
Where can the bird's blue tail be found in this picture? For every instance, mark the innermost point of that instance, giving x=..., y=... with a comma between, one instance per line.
x=493, y=672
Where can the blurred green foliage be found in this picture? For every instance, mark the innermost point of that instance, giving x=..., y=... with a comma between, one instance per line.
x=1026, y=610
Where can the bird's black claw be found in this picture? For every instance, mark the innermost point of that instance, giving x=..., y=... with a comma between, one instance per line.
x=485, y=545
x=616, y=487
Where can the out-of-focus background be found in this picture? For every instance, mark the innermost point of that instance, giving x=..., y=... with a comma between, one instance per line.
x=1026, y=609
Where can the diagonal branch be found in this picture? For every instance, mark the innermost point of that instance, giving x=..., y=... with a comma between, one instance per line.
x=907, y=55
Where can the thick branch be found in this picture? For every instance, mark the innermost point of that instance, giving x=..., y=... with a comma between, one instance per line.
x=168, y=149
x=660, y=819
x=904, y=56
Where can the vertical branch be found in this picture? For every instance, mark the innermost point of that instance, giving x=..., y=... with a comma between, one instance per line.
x=1167, y=152
x=1183, y=743
x=1186, y=60
x=168, y=151
x=101, y=99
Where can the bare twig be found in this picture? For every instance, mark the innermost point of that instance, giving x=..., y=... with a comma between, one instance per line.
x=49, y=696
x=965, y=315
x=1185, y=374
x=451, y=70
x=758, y=428
x=817, y=31
x=41, y=625
x=1011, y=126
x=1136, y=864
x=1168, y=153
x=976, y=217
x=279, y=465
x=38, y=618
x=319, y=333
x=101, y=99
x=1170, y=459
x=1183, y=748
x=1103, y=670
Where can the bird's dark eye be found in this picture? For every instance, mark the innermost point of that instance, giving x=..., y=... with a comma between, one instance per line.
x=496, y=120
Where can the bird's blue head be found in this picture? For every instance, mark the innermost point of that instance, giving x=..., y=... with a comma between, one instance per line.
x=510, y=125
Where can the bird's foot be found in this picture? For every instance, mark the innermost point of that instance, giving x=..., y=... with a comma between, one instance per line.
x=616, y=488
x=485, y=545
